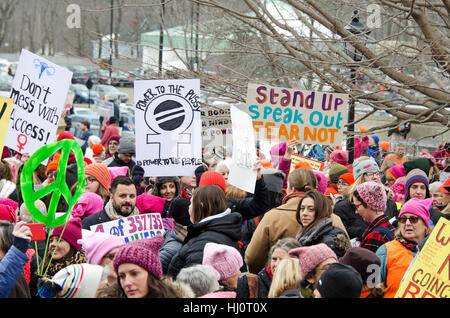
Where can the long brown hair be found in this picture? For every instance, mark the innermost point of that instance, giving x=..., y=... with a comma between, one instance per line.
x=206, y=201
x=321, y=204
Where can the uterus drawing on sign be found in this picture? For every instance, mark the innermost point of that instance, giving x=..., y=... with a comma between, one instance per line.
x=44, y=67
x=170, y=118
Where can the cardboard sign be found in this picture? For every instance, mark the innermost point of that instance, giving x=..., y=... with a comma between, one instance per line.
x=282, y=114
x=315, y=164
x=134, y=227
x=103, y=107
x=39, y=92
x=216, y=126
x=429, y=276
x=5, y=112
x=242, y=174
x=168, y=124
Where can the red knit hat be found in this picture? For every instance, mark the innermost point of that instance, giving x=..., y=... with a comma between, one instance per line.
x=304, y=165
x=348, y=177
x=213, y=178
x=53, y=165
x=72, y=232
x=100, y=172
x=65, y=135
x=97, y=148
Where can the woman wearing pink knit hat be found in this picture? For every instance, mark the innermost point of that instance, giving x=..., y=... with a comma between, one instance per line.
x=397, y=255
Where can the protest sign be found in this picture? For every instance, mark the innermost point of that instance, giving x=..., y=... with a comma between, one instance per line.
x=216, y=126
x=5, y=113
x=429, y=276
x=315, y=164
x=168, y=124
x=282, y=114
x=39, y=92
x=103, y=107
x=134, y=227
x=242, y=174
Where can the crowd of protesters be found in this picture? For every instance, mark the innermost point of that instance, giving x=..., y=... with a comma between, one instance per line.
x=302, y=233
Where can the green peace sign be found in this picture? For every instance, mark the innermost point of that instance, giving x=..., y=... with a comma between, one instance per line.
x=58, y=187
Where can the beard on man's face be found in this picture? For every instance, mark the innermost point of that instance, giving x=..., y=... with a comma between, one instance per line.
x=125, y=209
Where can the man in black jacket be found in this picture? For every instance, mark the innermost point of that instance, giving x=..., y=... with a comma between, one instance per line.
x=122, y=203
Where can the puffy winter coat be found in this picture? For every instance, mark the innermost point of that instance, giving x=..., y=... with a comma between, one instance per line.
x=221, y=230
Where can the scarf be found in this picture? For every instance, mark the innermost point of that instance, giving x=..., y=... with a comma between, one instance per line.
x=55, y=266
x=293, y=195
x=410, y=245
x=304, y=237
x=112, y=213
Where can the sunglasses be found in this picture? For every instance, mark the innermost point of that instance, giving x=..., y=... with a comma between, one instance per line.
x=412, y=219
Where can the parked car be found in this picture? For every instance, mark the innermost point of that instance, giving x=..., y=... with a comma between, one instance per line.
x=81, y=74
x=110, y=93
x=121, y=79
x=5, y=85
x=93, y=119
x=82, y=94
x=102, y=76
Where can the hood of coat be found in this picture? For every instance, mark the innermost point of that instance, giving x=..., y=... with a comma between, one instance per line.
x=161, y=180
x=229, y=225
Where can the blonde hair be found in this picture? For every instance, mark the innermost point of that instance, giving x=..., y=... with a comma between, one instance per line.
x=286, y=276
x=234, y=192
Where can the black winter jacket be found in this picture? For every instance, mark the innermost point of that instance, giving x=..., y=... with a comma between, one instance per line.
x=94, y=219
x=264, y=282
x=223, y=230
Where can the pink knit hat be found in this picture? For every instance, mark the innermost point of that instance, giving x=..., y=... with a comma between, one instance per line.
x=144, y=253
x=98, y=244
x=89, y=203
x=71, y=234
x=311, y=256
x=373, y=194
x=321, y=181
x=117, y=171
x=396, y=172
x=420, y=208
x=339, y=156
x=226, y=260
x=148, y=203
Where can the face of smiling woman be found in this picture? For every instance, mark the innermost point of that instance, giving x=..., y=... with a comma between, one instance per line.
x=168, y=190
x=134, y=280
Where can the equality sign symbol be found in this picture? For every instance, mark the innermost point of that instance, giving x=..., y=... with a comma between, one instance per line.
x=56, y=188
x=169, y=114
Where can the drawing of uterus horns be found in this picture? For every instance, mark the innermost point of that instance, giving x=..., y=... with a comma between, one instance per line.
x=44, y=67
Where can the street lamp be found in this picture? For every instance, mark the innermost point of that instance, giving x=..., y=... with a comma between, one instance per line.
x=356, y=28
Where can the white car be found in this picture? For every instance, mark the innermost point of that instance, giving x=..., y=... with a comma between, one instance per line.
x=5, y=85
x=4, y=66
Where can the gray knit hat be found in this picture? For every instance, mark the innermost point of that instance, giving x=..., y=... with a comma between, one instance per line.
x=126, y=145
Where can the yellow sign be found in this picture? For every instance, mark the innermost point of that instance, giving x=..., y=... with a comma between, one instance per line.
x=315, y=164
x=5, y=113
x=429, y=277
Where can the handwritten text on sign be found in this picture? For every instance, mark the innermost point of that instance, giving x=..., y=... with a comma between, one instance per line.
x=429, y=277
x=286, y=114
x=133, y=227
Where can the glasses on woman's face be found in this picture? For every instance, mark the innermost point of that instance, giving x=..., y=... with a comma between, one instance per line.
x=373, y=174
x=357, y=205
x=90, y=179
x=412, y=219
x=342, y=183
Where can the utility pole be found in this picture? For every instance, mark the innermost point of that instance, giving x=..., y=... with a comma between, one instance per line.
x=110, y=41
x=161, y=37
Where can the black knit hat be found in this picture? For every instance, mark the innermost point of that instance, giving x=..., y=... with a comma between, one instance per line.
x=340, y=281
x=179, y=210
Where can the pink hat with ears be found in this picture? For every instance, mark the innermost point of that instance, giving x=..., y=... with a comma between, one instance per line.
x=89, y=203
x=117, y=171
x=420, y=208
x=321, y=181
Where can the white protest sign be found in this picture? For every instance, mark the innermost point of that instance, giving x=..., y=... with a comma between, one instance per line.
x=216, y=126
x=282, y=114
x=103, y=107
x=168, y=123
x=134, y=227
x=242, y=174
x=39, y=92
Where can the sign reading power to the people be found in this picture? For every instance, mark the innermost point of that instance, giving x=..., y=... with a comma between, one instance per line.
x=168, y=127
